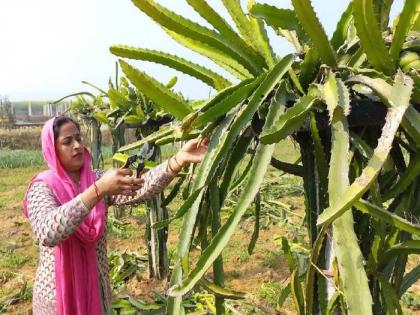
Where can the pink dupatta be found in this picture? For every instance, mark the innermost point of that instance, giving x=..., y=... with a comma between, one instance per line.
x=77, y=281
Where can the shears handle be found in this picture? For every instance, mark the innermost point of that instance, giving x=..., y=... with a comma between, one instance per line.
x=129, y=161
x=140, y=167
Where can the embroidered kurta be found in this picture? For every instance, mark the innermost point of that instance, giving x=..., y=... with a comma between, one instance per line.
x=52, y=224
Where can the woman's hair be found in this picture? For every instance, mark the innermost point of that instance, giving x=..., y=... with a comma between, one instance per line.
x=61, y=120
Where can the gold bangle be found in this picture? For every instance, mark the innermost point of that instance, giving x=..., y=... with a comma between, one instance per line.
x=176, y=161
x=170, y=168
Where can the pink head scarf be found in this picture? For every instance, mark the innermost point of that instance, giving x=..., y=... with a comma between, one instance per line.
x=77, y=281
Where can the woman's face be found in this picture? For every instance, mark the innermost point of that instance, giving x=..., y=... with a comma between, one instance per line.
x=69, y=147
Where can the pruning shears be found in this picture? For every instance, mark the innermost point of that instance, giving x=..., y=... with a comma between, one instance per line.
x=138, y=161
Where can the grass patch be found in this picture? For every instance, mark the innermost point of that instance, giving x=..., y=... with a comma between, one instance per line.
x=271, y=259
x=11, y=259
x=121, y=229
x=233, y=273
x=126, y=227
x=33, y=158
x=20, y=158
x=243, y=256
x=6, y=276
x=269, y=292
x=24, y=294
x=13, y=185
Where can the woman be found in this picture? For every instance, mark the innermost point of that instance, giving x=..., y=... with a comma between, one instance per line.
x=66, y=206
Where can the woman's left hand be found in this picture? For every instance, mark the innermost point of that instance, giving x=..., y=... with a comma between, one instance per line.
x=193, y=151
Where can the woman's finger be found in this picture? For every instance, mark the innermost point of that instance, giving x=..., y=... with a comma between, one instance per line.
x=132, y=180
x=125, y=171
x=191, y=145
x=205, y=141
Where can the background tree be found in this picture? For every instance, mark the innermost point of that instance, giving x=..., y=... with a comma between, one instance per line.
x=7, y=114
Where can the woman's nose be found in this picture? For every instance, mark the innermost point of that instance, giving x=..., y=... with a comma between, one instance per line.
x=77, y=144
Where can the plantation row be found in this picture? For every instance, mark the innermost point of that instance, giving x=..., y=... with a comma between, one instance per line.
x=351, y=104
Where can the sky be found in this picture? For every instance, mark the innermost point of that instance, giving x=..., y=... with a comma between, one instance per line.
x=47, y=47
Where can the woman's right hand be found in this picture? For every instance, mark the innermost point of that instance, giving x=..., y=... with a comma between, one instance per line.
x=118, y=181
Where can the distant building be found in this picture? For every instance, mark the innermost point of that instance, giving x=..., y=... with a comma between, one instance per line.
x=30, y=113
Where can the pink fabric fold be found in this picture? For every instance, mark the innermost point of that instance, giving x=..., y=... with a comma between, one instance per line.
x=77, y=281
